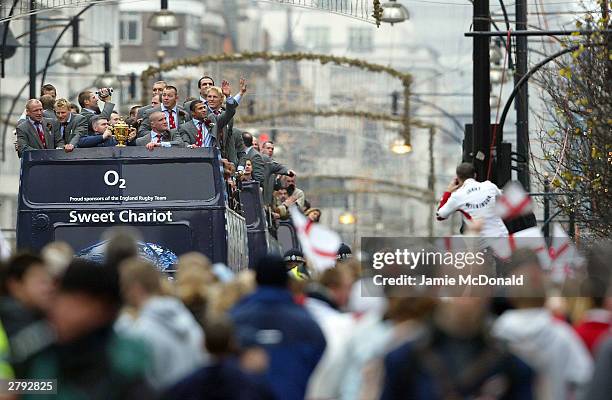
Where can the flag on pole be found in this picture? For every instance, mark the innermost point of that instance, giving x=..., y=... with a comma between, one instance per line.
x=319, y=244
x=530, y=238
x=514, y=202
x=563, y=254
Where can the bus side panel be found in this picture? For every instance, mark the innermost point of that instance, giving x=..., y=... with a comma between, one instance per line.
x=237, y=258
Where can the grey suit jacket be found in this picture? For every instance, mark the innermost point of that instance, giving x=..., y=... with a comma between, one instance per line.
x=189, y=131
x=76, y=128
x=271, y=169
x=145, y=125
x=142, y=110
x=233, y=147
x=50, y=114
x=172, y=136
x=105, y=113
x=258, y=165
x=27, y=137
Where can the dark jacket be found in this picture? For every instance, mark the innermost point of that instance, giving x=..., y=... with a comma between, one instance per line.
x=259, y=166
x=437, y=367
x=269, y=318
x=220, y=381
x=100, y=366
x=98, y=141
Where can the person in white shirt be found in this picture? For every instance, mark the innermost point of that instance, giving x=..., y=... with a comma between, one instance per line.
x=474, y=200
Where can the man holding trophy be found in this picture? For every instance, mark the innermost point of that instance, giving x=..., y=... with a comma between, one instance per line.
x=106, y=136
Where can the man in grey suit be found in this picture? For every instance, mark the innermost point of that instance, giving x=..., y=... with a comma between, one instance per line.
x=159, y=135
x=48, y=103
x=89, y=106
x=271, y=169
x=175, y=115
x=156, y=91
x=204, y=84
x=70, y=127
x=256, y=160
x=35, y=132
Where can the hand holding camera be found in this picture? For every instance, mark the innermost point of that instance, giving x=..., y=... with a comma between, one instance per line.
x=104, y=93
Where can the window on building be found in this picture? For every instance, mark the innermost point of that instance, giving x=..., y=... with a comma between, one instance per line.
x=168, y=39
x=130, y=29
x=361, y=39
x=193, y=35
x=317, y=38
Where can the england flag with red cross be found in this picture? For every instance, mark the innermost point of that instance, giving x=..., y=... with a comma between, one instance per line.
x=319, y=244
x=514, y=202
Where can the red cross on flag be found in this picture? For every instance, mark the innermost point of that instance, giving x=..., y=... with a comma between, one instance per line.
x=530, y=238
x=514, y=202
x=319, y=244
x=563, y=254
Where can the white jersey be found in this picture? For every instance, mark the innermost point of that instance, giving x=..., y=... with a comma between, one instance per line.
x=475, y=200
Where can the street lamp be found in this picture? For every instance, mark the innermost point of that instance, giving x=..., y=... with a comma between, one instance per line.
x=399, y=146
x=347, y=218
x=394, y=12
x=161, y=54
x=164, y=20
x=76, y=57
x=107, y=79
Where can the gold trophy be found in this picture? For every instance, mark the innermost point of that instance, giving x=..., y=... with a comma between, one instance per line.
x=121, y=131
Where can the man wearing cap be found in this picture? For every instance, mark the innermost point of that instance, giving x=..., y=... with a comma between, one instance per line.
x=270, y=319
x=296, y=264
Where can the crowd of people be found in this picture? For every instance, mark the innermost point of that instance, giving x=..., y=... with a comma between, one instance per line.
x=281, y=330
x=204, y=120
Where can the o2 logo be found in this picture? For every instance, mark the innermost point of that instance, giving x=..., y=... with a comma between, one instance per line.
x=111, y=178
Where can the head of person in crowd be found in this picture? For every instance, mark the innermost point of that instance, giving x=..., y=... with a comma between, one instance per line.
x=247, y=138
x=114, y=118
x=295, y=262
x=88, y=299
x=204, y=84
x=599, y=272
x=47, y=101
x=289, y=183
x=532, y=294
x=158, y=87
x=220, y=338
x=344, y=252
x=170, y=97
x=156, y=100
x=74, y=108
x=224, y=296
x=158, y=122
x=193, y=280
x=121, y=244
x=134, y=111
x=256, y=143
x=25, y=278
x=99, y=124
x=464, y=172
x=34, y=110
x=282, y=194
x=313, y=214
x=462, y=317
x=57, y=256
x=48, y=90
x=62, y=110
x=139, y=282
x=88, y=99
x=270, y=270
x=267, y=148
x=198, y=110
x=214, y=97
x=248, y=170
x=338, y=281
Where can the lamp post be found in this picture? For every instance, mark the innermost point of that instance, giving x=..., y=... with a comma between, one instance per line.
x=76, y=57
x=163, y=20
x=348, y=218
x=107, y=79
x=161, y=54
x=394, y=12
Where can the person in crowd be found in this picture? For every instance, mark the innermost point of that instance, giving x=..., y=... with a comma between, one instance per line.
x=272, y=168
x=156, y=92
x=173, y=113
x=48, y=90
x=596, y=324
x=269, y=318
x=601, y=384
x=114, y=118
x=204, y=83
x=89, y=106
x=247, y=174
x=256, y=160
x=282, y=202
x=57, y=256
x=163, y=322
x=74, y=108
x=293, y=191
x=103, y=136
x=121, y=244
x=313, y=214
x=134, y=111
x=6, y=370
x=549, y=345
x=35, y=132
x=225, y=296
x=474, y=200
x=295, y=263
x=225, y=377
x=456, y=359
x=159, y=134
x=193, y=280
x=88, y=359
x=337, y=283
x=70, y=127
x=48, y=103
x=256, y=143
x=203, y=129
x=344, y=252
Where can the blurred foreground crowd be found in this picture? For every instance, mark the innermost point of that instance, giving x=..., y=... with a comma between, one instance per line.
x=123, y=330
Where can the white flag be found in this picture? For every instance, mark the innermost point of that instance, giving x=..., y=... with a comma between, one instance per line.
x=564, y=256
x=319, y=244
x=530, y=238
x=514, y=202
x=5, y=248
